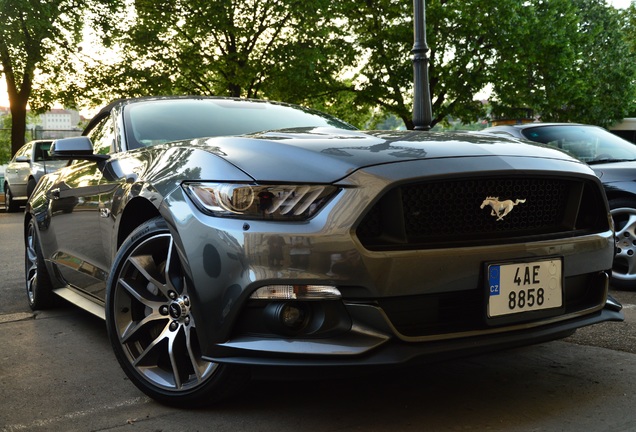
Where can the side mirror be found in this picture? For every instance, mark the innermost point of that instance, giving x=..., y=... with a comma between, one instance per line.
x=79, y=148
x=23, y=159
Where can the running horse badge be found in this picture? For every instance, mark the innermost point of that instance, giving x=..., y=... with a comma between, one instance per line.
x=500, y=208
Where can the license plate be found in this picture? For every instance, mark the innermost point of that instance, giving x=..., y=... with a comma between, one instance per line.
x=523, y=287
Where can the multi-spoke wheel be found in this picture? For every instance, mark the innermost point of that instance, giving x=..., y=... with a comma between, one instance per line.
x=38, y=282
x=624, y=267
x=152, y=330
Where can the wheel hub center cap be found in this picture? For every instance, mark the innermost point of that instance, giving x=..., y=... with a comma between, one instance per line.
x=179, y=308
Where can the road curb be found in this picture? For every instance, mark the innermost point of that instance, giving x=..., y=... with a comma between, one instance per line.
x=21, y=316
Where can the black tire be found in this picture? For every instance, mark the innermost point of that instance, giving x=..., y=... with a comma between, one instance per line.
x=39, y=287
x=624, y=267
x=10, y=205
x=148, y=319
x=31, y=187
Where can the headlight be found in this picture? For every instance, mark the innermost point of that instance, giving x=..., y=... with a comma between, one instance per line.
x=248, y=201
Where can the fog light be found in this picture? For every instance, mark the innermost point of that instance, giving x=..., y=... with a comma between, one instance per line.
x=292, y=316
x=288, y=318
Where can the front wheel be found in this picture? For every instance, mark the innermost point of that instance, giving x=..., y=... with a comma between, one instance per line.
x=151, y=328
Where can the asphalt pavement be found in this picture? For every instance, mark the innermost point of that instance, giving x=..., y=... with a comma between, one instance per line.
x=58, y=373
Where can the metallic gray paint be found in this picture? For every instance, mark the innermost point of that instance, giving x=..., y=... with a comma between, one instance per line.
x=379, y=274
x=322, y=155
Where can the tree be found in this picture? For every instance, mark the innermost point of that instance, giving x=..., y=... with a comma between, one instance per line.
x=39, y=38
x=569, y=62
x=629, y=36
x=348, y=58
x=280, y=49
x=564, y=59
x=353, y=59
x=461, y=37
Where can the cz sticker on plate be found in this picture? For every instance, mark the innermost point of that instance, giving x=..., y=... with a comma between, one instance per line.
x=522, y=287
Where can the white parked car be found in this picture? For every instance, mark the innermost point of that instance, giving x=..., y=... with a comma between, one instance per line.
x=29, y=163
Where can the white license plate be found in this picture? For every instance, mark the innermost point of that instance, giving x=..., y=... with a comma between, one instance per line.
x=522, y=287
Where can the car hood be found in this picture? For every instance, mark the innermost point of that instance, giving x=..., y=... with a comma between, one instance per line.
x=326, y=155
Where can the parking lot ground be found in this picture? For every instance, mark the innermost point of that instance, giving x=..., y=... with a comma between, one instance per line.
x=57, y=373
x=619, y=336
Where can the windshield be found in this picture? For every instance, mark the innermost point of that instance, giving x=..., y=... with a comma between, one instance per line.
x=159, y=121
x=590, y=144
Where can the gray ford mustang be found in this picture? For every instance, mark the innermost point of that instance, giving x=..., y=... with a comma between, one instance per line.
x=214, y=235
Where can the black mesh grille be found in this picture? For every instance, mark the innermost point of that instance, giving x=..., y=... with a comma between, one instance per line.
x=457, y=211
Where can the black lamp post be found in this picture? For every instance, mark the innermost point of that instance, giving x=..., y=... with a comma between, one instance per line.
x=422, y=111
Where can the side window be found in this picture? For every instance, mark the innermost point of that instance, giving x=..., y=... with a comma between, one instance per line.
x=42, y=151
x=103, y=136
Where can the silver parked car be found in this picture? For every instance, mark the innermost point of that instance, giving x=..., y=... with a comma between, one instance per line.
x=29, y=163
x=215, y=234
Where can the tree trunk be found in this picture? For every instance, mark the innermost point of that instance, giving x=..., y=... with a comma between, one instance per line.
x=19, y=94
x=18, y=124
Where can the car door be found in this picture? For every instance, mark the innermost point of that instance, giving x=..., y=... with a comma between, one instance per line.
x=18, y=171
x=75, y=217
x=43, y=163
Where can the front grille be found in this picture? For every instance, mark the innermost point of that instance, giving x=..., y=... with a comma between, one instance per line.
x=455, y=212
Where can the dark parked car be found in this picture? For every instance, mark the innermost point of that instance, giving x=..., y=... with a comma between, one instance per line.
x=29, y=163
x=214, y=235
x=614, y=161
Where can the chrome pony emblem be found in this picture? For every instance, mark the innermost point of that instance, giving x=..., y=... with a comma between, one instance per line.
x=500, y=208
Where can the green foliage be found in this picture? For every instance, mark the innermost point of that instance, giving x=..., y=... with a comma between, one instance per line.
x=381, y=34
x=390, y=122
x=5, y=139
x=568, y=62
x=38, y=40
x=277, y=49
x=462, y=35
x=629, y=37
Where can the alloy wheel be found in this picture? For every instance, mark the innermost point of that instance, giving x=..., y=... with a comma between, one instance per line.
x=31, y=264
x=624, y=267
x=153, y=321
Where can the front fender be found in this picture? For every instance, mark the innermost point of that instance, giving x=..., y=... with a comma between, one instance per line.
x=162, y=169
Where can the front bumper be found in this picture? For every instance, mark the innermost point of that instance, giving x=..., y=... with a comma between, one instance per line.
x=366, y=347
x=227, y=260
